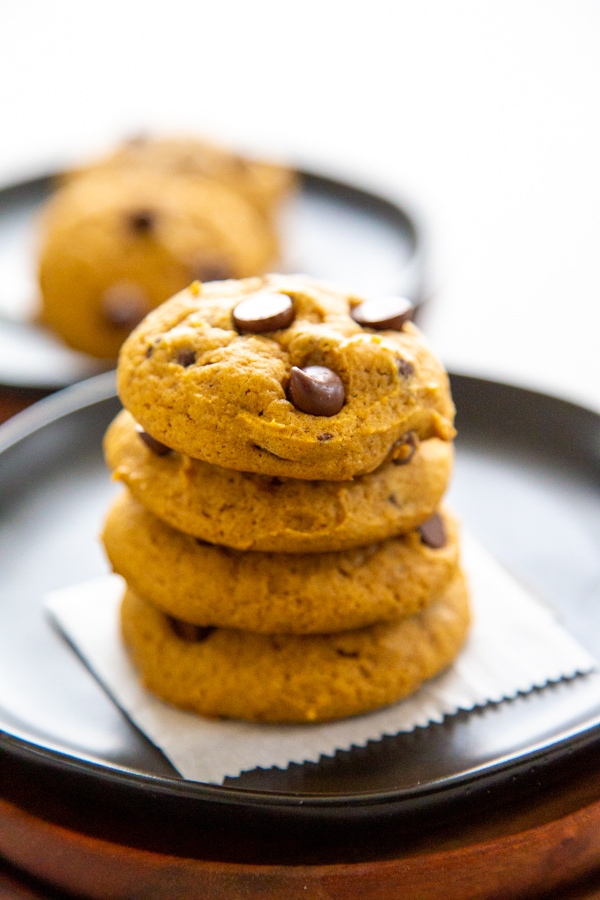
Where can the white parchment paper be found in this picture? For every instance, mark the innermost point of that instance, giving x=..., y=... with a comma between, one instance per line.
x=515, y=644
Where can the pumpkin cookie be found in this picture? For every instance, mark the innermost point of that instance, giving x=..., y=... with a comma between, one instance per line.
x=117, y=244
x=284, y=376
x=293, y=678
x=259, y=512
x=207, y=584
x=262, y=183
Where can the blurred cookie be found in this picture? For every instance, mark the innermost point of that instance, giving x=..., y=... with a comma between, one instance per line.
x=119, y=243
x=207, y=584
x=293, y=678
x=260, y=512
x=284, y=376
x=262, y=183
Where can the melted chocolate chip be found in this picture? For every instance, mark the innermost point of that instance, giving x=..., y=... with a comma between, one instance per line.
x=405, y=368
x=264, y=311
x=404, y=449
x=157, y=447
x=124, y=304
x=326, y=436
x=141, y=221
x=316, y=390
x=186, y=358
x=188, y=632
x=383, y=313
x=433, y=532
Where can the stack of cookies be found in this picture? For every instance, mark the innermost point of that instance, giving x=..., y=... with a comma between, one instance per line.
x=285, y=449
x=123, y=234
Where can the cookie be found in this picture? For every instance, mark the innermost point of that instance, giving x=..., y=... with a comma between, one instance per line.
x=259, y=512
x=264, y=184
x=207, y=584
x=284, y=376
x=115, y=245
x=293, y=678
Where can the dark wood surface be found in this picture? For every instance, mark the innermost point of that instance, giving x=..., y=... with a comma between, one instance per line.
x=13, y=400
x=546, y=846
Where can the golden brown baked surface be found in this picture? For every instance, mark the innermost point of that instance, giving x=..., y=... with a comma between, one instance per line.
x=293, y=678
x=116, y=243
x=301, y=391
x=275, y=592
x=260, y=512
x=261, y=182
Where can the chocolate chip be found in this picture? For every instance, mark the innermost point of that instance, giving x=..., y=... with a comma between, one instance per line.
x=405, y=368
x=211, y=266
x=383, y=313
x=433, y=532
x=157, y=447
x=264, y=311
x=316, y=390
x=124, y=304
x=326, y=436
x=186, y=358
x=141, y=221
x=404, y=449
x=188, y=632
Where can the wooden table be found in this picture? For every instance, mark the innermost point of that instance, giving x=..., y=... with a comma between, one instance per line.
x=545, y=844
x=13, y=400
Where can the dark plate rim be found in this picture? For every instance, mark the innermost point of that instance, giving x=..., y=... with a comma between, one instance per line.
x=102, y=388
x=354, y=196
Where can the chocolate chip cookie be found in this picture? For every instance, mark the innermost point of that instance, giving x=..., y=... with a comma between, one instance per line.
x=116, y=244
x=263, y=183
x=285, y=376
x=208, y=584
x=293, y=678
x=261, y=512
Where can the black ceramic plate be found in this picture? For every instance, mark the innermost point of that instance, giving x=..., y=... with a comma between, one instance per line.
x=526, y=483
x=330, y=230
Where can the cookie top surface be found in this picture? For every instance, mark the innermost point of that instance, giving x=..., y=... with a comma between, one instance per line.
x=247, y=511
x=275, y=375
x=115, y=244
x=262, y=182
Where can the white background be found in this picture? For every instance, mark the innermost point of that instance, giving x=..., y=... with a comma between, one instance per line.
x=481, y=115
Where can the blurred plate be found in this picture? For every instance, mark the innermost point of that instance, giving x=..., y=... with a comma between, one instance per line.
x=330, y=230
x=526, y=483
